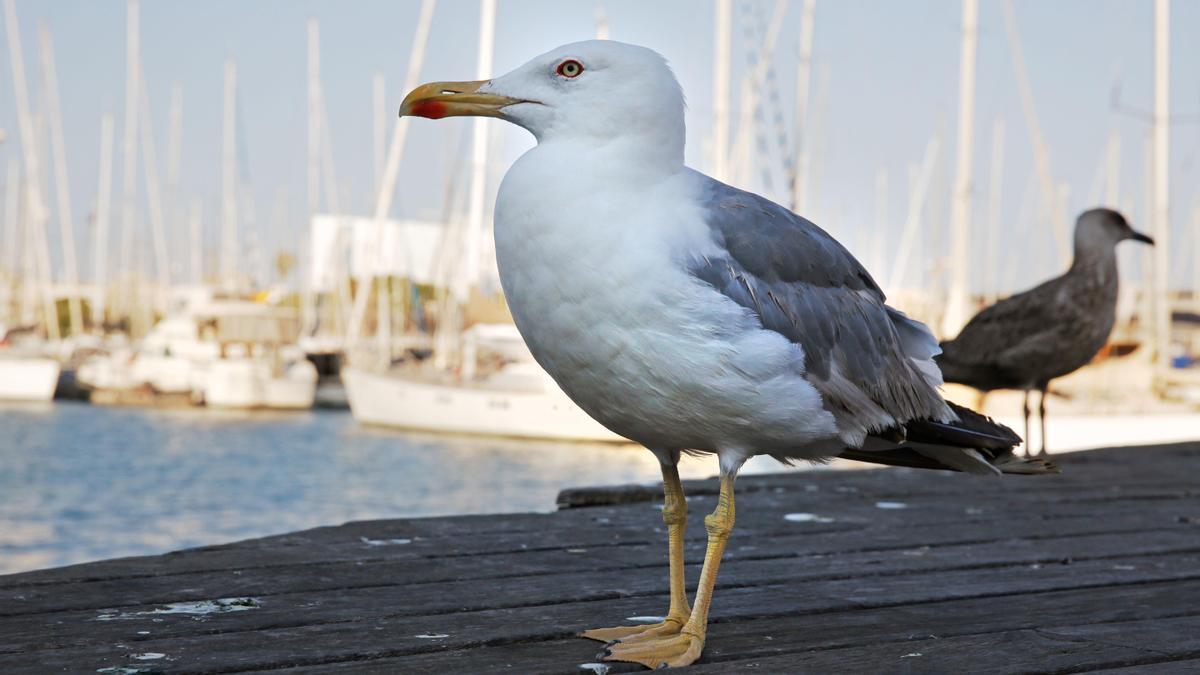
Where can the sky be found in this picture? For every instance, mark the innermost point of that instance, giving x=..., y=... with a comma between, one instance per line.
x=885, y=82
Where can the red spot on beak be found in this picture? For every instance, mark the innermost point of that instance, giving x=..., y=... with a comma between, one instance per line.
x=434, y=110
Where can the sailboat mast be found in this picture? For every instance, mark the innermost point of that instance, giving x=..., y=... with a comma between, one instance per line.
x=154, y=195
x=995, y=191
x=62, y=184
x=479, y=146
x=379, y=116
x=35, y=211
x=129, y=141
x=391, y=170
x=229, y=180
x=960, y=235
x=601, y=19
x=721, y=57
x=918, y=192
x=171, y=201
x=103, y=211
x=1161, y=194
x=314, y=122
x=800, y=160
x=197, y=243
x=12, y=237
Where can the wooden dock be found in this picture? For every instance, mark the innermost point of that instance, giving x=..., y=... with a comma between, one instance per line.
x=875, y=571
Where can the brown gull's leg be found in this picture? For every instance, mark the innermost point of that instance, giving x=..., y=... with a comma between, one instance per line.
x=1025, y=409
x=1042, y=417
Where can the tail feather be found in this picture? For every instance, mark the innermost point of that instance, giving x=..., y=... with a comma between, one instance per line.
x=973, y=444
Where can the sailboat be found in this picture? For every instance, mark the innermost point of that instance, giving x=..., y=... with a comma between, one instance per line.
x=25, y=374
x=514, y=397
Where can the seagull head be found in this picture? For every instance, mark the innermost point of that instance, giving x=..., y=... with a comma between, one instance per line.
x=597, y=89
x=1105, y=228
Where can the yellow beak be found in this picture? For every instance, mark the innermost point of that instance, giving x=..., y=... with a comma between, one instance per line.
x=454, y=99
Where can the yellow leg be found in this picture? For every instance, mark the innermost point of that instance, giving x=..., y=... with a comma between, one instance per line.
x=684, y=648
x=675, y=516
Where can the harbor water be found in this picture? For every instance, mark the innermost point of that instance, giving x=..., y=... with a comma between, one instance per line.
x=80, y=482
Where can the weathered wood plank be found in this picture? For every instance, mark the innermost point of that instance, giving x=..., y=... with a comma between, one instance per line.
x=746, y=639
x=30, y=632
x=572, y=554
x=1095, y=569
x=204, y=647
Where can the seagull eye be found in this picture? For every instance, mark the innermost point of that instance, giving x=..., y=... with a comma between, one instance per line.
x=570, y=68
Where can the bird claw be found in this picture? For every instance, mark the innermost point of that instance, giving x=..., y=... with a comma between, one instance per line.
x=668, y=651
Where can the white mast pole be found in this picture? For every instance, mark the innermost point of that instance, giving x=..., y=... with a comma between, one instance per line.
x=314, y=121
x=40, y=238
x=479, y=148
x=103, y=213
x=62, y=184
x=308, y=306
x=129, y=140
x=313, y=193
x=957, y=307
x=1146, y=269
x=153, y=193
x=995, y=191
x=721, y=57
x=815, y=156
x=229, y=256
x=800, y=157
x=197, y=243
x=12, y=203
x=391, y=170
x=601, y=22
x=174, y=209
x=912, y=220
x=749, y=105
x=1162, y=229
x=379, y=117
x=14, y=308
x=36, y=212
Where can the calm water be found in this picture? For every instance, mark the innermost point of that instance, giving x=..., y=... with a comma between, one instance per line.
x=82, y=483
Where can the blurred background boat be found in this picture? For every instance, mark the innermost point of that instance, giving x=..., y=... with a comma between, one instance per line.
x=25, y=374
x=222, y=353
x=498, y=391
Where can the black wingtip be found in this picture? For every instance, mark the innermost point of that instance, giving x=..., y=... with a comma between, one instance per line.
x=972, y=430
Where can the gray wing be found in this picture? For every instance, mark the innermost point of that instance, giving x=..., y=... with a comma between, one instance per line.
x=872, y=365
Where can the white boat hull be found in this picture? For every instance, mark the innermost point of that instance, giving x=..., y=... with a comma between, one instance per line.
x=246, y=383
x=28, y=379
x=388, y=400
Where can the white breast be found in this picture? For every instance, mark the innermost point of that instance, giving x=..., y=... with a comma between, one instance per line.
x=597, y=283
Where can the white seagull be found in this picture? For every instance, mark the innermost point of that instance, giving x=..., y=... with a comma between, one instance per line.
x=690, y=316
